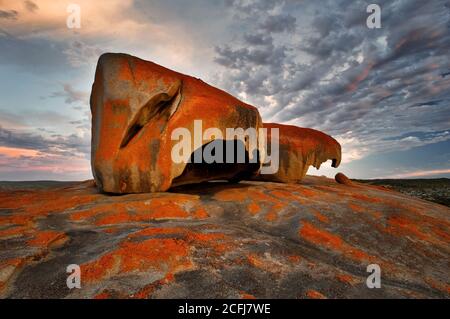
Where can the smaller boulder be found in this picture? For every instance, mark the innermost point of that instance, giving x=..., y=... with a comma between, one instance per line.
x=342, y=179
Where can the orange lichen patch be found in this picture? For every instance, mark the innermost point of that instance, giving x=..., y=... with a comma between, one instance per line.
x=256, y=261
x=43, y=202
x=347, y=279
x=438, y=285
x=30, y=205
x=217, y=242
x=307, y=192
x=258, y=195
x=48, y=238
x=294, y=259
x=282, y=194
x=14, y=231
x=205, y=237
x=322, y=218
x=328, y=240
x=165, y=208
x=400, y=225
x=376, y=215
x=445, y=236
x=233, y=195
x=366, y=198
x=148, y=290
x=245, y=295
x=318, y=236
x=416, y=216
x=419, y=225
x=253, y=208
x=273, y=214
x=118, y=217
x=142, y=210
x=240, y=195
x=160, y=254
x=357, y=208
x=96, y=270
x=164, y=254
x=314, y=294
x=103, y=295
x=266, y=263
x=85, y=214
x=18, y=220
x=200, y=213
x=155, y=253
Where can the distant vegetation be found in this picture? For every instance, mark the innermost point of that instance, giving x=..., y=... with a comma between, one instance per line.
x=434, y=190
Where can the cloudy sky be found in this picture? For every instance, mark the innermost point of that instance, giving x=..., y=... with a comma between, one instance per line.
x=384, y=94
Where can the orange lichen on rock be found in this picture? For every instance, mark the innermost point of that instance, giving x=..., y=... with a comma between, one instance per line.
x=314, y=294
x=245, y=295
x=307, y=192
x=232, y=195
x=365, y=198
x=170, y=254
x=357, y=208
x=144, y=210
x=294, y=258
x=421, y=227
x=265, y=262
x=47, y=238
x=348, y=279
x=321, y=217
x=253, y=208
x=15, y=231
x=328, y=240
x=405, y=226
x=161, y=254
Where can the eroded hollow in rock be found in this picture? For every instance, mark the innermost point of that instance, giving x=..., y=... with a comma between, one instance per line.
x=160, y=105
x=229, y=169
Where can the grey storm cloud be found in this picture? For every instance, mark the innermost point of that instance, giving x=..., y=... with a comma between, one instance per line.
x=69, y=145
x=35, y=55
x=331, y=72
x=71, y=95
x=279, y=23
x=40, y=55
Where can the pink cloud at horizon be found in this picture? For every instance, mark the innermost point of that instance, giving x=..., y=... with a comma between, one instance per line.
x=18, y=152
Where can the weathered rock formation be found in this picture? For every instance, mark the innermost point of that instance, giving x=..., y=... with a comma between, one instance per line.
x=135, y=107
x=221, y=240
x=299, y=148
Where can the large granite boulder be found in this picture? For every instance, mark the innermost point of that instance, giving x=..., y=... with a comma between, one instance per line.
x=299, y=148
x=136, y=105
